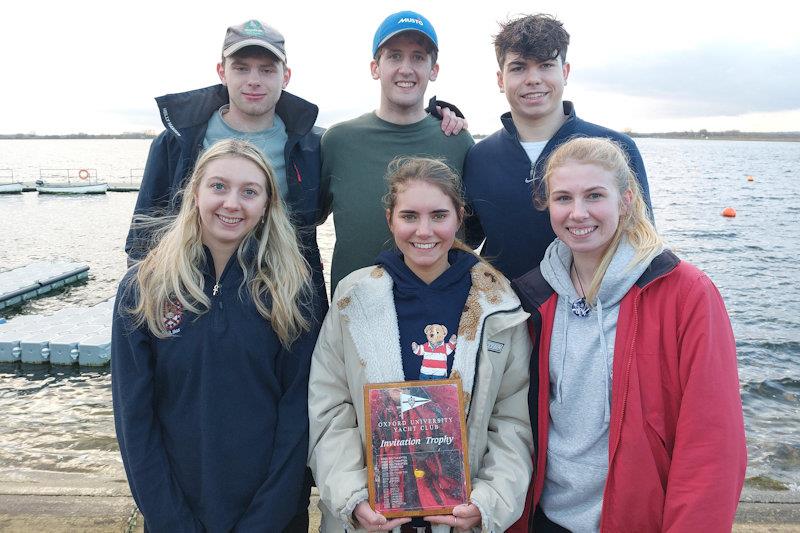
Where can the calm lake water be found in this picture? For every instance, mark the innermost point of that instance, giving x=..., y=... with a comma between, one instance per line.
x=57, y=422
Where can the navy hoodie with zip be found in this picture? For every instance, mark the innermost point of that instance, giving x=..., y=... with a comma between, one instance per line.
x=419, y=304
x=212, y=422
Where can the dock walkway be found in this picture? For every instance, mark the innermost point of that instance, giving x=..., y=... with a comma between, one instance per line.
x=73, y=335
x=35, y=279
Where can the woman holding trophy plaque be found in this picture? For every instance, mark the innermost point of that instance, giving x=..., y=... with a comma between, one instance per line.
x=430, y=310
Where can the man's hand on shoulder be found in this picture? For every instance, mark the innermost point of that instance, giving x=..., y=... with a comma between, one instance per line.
x=451, y=123
x=452, y=118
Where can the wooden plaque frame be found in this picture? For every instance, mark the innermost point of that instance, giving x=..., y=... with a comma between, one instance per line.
x=417, y=453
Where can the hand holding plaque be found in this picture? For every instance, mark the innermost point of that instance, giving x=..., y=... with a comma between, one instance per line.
x=416, y=447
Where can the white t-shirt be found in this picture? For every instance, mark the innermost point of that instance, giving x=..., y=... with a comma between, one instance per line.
x=533, y=149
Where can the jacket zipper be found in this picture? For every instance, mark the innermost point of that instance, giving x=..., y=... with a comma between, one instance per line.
x=217, y=291
x=627, y=382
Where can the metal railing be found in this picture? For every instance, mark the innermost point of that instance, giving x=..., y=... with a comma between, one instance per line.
x=71, y=175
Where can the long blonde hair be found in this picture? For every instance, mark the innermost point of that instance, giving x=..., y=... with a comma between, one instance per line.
x=276, y=274
x=634, y=223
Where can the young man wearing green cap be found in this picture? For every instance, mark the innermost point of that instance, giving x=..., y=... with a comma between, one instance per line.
x=250, y=103
x=356, y=153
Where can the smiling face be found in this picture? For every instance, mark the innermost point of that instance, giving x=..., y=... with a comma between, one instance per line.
x=231, y=199
x=424, y=223
x=534, y=89
x=404, y=69
x=254, y=82
x=585, y=208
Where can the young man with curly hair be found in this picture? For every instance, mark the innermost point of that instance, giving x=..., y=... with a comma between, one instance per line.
x=502, y=172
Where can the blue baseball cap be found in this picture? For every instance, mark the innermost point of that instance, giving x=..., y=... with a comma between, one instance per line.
x=400, y=22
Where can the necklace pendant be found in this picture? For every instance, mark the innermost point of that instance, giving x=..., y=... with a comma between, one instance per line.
x=216, y=290
x=581, y=308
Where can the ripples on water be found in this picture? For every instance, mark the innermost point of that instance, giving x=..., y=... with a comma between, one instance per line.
x=60, y=420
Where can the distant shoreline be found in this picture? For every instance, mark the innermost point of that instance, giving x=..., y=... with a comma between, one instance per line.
x=26, y=136
x=701, y=135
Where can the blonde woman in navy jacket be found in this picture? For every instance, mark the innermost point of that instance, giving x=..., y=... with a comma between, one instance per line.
x=212, y=339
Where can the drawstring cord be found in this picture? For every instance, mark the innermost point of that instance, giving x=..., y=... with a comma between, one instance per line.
x=604, y=347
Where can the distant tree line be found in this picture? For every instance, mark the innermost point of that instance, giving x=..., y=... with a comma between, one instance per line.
x=705, y=135
x=730, y=135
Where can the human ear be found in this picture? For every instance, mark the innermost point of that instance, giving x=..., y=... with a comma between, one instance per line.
x=434, y=72
x=221, y=73
x=374, y=68
x=287, y=74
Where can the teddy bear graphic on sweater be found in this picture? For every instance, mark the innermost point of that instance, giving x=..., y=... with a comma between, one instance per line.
x=434, y=352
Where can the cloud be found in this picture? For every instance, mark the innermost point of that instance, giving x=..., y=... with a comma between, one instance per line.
x=723, y=81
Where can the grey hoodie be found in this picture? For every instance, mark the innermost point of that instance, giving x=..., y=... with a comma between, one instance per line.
x=581, y=356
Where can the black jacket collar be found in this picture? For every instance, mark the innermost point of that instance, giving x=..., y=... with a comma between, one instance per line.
x=190, y=109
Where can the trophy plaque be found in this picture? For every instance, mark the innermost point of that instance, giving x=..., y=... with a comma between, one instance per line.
x=416, y=447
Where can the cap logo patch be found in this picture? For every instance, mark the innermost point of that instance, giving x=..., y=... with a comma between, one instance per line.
x=411, y=20
x=253, y=28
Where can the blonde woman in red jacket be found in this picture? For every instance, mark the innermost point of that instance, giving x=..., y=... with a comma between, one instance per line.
x=634, y=399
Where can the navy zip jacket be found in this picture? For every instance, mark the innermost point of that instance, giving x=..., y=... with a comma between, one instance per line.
x=174, y=152
x=212, y=423
x=499, y=184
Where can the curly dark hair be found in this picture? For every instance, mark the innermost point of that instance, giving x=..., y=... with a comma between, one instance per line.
x=539, y=37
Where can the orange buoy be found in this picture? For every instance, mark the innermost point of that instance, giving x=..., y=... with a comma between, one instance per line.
x=749, y=178
x=729, y=212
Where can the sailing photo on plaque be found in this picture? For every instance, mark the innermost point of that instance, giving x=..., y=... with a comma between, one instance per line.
x=416, y=447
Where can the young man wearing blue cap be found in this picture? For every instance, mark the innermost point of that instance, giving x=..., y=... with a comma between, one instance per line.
x=503, y=171
x=356, y=153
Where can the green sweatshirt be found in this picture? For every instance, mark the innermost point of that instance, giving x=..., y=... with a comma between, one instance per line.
x=355, y=156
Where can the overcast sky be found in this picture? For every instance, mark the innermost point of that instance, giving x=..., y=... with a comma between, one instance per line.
x=94, y=67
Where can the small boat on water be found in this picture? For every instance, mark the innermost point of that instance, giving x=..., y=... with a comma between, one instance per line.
x=85, y=183
x=7, y=183
x=10, y=188
x=71, y=188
